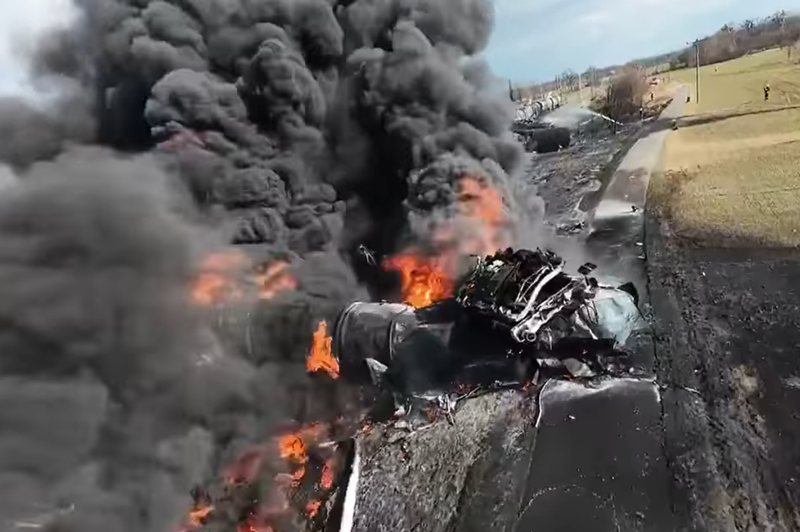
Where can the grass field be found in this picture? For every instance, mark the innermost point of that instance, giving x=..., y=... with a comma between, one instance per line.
x=732, y=170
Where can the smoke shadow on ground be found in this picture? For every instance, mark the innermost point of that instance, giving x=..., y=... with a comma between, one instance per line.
x=711, y=118
x=731, y=245
x=591, y=200
x=726, y=331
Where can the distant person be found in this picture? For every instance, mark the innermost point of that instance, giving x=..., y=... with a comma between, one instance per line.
x=651, y=96
x=766, y=92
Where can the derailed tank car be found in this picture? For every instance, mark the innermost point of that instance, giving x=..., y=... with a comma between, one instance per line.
x=514, y=313
x=542, y=138
x=530, y=110
x=537, y=135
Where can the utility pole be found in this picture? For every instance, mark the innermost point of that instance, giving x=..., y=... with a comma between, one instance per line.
x=696, y=70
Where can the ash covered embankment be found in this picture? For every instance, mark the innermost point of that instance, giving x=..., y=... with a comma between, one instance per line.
x=295, y=130
x=572, y=180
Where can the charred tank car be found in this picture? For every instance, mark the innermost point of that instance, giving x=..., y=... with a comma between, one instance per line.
x=513, y=314
x=541, y=137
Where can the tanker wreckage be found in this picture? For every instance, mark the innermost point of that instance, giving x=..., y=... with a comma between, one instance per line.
x=514, y=315
x=516, y=318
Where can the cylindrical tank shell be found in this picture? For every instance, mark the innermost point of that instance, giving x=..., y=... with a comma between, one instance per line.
x=369, y=330
x=528, y=112
x=549, y=140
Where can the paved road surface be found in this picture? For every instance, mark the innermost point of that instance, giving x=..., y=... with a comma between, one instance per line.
x=599, y=462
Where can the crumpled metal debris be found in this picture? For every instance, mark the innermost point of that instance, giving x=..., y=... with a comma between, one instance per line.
x=367, y=255
x=526, y=290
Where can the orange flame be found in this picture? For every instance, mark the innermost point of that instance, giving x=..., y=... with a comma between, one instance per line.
x=274, y=280
x=198, y=515
x=423, y=280
x=312, y=508
x=327, y=475
x=228, y=276
x=483, y=206
x=427, y=278
x=320, y=357
x=250, y=526
x=214, y=284
x=293, y=449
x=246, y=468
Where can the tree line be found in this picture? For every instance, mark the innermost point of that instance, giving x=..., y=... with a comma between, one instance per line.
x=729, y=42
x=732, y=41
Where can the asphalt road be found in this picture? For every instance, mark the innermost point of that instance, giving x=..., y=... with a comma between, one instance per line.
x=599, y=463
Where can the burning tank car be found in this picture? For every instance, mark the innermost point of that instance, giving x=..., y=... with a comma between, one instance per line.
x=513, y=315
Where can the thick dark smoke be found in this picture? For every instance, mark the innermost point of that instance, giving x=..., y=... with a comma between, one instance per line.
x=102, y=396
x=297, y=129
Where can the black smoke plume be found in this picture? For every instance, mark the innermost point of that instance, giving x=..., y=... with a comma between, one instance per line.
x=296, y=129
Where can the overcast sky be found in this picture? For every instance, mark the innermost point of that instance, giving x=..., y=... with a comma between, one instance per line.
x=533, y=39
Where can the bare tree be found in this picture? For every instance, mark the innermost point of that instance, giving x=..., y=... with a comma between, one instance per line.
x=778, y=19
x=625, y=93
x=570, y=79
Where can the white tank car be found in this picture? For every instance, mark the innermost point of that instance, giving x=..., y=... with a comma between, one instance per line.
x=529, y=114
x=522, y=112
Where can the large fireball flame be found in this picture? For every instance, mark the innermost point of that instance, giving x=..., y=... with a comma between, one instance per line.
x=478, y=230
x=320, y=357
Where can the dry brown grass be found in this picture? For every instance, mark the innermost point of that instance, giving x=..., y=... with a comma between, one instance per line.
x=732, y=170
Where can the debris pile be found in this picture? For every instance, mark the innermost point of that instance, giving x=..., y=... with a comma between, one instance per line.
x=515, y=319
x=515, y=316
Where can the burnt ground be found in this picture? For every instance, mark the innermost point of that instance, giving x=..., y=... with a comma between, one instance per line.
x=726, y=323
x=571, y=181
